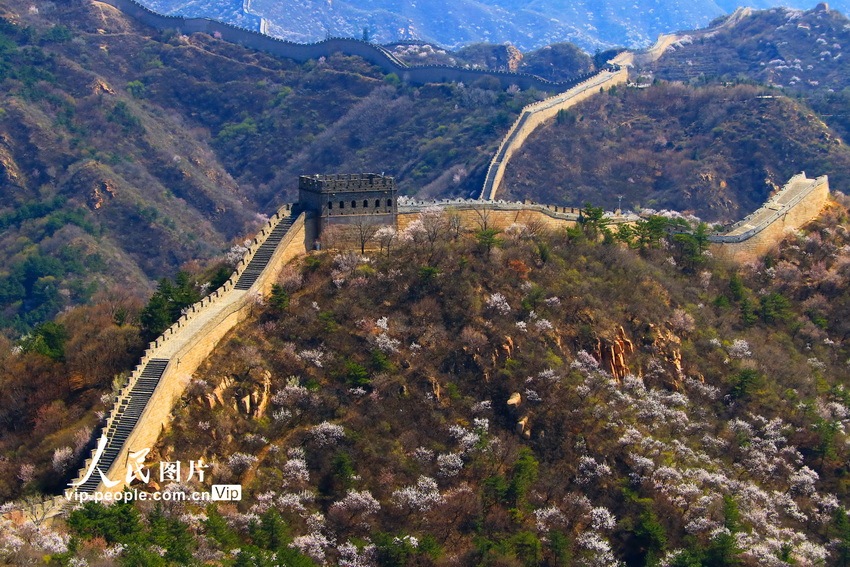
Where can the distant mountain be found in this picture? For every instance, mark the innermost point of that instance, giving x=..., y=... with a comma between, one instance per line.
x=527, y=24
x=785, y=48
x=715, y=150
x=798, y=52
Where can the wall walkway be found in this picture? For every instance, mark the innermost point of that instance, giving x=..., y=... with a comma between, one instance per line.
x=374, y=54
x=536, y=114
x=800, y=201
x=143, y=406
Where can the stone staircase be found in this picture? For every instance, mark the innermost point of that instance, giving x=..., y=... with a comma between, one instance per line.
x=132, y=400
x=126, y=415
x=263, y=254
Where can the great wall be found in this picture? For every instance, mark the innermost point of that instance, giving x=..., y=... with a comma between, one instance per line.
x=301, y=52
x=142, y=408
x=534, y=115
x=800, y=201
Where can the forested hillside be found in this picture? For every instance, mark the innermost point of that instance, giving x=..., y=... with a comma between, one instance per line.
x=516, y=398
x=798, y=51
x=125, y=153
x=717, y=151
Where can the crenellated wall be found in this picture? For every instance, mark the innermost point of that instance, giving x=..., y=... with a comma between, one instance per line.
x=194, y=342
x=800, y=201
x=536, y=114
x=374, y=54
x=190, y=340
x=496, y=214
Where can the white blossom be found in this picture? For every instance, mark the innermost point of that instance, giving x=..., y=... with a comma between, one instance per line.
x=240, y=462
x=421, y=497
x=740, y=349
x=602, y=519
x=589, y=469
x=423, y=455
x=312, y=545
x=357, y=502
x=386, y=343
x=295, y=470
x=498, y=303
x=351, y=556
x=314, y=356
x=62, y=459
x=327, y=433
x=449, y=464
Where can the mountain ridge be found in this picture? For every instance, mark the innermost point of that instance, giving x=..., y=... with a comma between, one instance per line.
x=526, y=24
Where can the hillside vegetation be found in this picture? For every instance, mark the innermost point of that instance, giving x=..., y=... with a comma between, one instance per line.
x=780, y=47
x=125, y=153
x=798, y=51
x=516, y=399
x=717, y=151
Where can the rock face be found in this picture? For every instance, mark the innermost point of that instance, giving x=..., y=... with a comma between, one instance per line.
x=490, y=56
x=513, y=58
x=250, y=397
x=96, y=198
x=666, y=346
x=92, y=181
x=613, y=353
x=10, y=172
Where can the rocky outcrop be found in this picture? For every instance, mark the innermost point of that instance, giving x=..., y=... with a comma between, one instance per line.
x=513, y=58
x=250, y=397
x=98, y=194
x=613, y=354
x=666, y=346
x=10, y=173
x=99, y=86
x=91, y=181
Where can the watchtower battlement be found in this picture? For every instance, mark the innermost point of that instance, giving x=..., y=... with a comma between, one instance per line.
x=349, y=198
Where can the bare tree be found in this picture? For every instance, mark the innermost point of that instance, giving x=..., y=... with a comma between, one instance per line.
x=332, y=237
x=484, y=214
x=37, y=507
x=455, y=224
x=365, y=230
x=535, y=227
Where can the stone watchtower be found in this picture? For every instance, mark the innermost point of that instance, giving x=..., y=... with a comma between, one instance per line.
x=349, y=199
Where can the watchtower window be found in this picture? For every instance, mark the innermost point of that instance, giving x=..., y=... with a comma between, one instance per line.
x=330, y=205
x=377, y=203
x=353, y=204
x=365, y=204
x=342, y=204
x=389, y=202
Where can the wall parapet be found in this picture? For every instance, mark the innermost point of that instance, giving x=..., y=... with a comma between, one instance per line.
x=193, y=310
x=795, y=191
x=157, y=347
x=409, y=206
x=535, y=114
x=373, y=53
